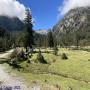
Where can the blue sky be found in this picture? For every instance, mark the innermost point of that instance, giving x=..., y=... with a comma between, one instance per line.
x=45, y=12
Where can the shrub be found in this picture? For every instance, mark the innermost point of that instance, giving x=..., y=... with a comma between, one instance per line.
x=57, y=86
x=88, y=59
x=64, y=56
x=14, y=54
x=14, y=63
x=16, y=58
x=40, y=58
x=20, y=55
x=69, y=88
x=54, y=60
x=28, y=61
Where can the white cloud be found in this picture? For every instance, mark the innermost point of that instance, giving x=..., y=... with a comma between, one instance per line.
x=70, y=4
x=12, y=8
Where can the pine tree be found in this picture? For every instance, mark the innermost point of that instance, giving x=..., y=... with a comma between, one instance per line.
x=50, y=39
x=64, y=56
x=28, y=31
x=40, y=58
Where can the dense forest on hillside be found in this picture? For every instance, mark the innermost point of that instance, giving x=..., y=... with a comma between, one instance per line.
x=6, y=40
x=11, y=23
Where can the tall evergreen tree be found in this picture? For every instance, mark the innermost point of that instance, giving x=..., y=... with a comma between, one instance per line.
x=50, y=39
x=28, y=31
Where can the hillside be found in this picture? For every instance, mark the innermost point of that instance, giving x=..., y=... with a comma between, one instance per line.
x=76, y=21
x=43, y=32
x=11, y=24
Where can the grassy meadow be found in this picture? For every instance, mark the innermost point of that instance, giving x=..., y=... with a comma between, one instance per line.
x=58, y=74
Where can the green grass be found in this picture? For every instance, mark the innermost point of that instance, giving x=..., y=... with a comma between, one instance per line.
x=74, y=72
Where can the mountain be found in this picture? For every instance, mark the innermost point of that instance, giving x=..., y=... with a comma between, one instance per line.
x=11, y=24
x=75, y=21
x=43, y=32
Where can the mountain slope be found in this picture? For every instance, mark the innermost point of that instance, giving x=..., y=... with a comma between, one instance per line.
x=76, y=20
x=11, y=24
x=43, y=32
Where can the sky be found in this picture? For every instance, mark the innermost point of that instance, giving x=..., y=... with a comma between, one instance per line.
x=46, y=13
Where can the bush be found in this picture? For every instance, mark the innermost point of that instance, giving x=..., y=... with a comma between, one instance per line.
x=55, y=51
x=88, y=59
x=28, y=61
x=69, y=88
x=64, y=56
x=14, y=63
x=14, y=54
x=54, y=60
x=20, y=55
x=17, y=58
x=40, y=58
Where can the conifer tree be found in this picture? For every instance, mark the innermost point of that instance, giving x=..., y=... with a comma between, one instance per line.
x=50, y=39
x=28, y=31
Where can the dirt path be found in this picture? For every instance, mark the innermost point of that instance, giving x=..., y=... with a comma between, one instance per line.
x=5, y=55
x=9, y=82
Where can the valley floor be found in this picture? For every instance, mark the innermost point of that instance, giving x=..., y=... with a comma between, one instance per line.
x=71, y=74
x=9, y=80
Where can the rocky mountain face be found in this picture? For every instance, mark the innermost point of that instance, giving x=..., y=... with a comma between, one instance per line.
x=76, y=20
x=11, y=24
x=43, y=32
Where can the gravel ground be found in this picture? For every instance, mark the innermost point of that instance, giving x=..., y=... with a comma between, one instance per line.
x=9, y=82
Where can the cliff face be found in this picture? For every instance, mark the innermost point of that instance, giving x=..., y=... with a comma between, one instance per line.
x=77, y=19
x=43, y=32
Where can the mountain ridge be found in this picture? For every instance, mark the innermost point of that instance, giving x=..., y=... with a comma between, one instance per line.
x=76, y=20
x=11, y=23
